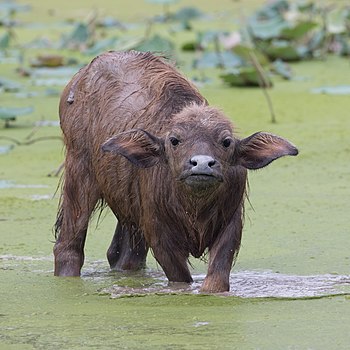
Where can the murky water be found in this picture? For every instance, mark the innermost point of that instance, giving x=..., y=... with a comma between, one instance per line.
x=110, y=310
x=244, y=284
x=247, y=284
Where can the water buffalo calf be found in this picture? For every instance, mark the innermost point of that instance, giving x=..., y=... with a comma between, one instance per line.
x=141, y=139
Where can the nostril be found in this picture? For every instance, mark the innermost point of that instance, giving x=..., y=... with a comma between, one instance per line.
x=193, y=162
x=211, y=163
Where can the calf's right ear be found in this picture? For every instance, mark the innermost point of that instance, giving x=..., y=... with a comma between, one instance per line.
x=138, y=146
x=261, y=148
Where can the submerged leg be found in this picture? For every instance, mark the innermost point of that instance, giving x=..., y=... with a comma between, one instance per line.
x=172, y=257
x=79, y=197
x=221, y=256
x=128, y=250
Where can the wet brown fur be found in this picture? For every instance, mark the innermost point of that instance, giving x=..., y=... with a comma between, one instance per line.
x=118, y=92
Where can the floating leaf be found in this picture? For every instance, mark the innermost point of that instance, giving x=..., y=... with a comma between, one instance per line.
x=298, y=31
x=186, y=14
x=27, y=94
x=100, y=46
x=9, y=85
x=77, y=38
x=246, y=53
x=284, y=50
x=272, y=9
x=12, y=7
x=50, y=82
x=55, y=72
x=156, y=44
x=282, y=69
x=317, y=40
x=267, y=29
x=110, y=22
x=244, y=76
x=39, y=43
x=10, y=113
x=189, y=46
x=210, y=37
x=306, y=6
x=336, y=21
x=5, y=41
x=332, y=90
x=225, y=59
x=126, y=44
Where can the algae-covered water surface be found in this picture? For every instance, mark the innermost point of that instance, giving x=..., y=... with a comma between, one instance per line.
x=290, y=286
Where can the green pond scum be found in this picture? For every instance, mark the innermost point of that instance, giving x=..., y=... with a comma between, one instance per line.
x=290, y=286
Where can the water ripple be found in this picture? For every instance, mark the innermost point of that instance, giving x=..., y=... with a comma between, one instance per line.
x=247, y=284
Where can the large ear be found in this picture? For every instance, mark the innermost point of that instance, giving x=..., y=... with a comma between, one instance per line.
x=138, y=146
x=260, y=149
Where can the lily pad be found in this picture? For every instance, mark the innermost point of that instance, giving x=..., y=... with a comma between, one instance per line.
x=186, y=14
x=54, y=72
x=100, y=46
x=50, y=82
x=5, y=41
x=337, y=21
x=225, y=59
x=244, y=76
x=156, y=44
x=267, y=29
x=13, y=7
x=284, y=50
x=11, y=113
x=9, y=85
x=110, y=22
x=209, y=37
x=283, y=69
x=77, y=38
x=246, y=53
x=298, y=31
x=332, y=90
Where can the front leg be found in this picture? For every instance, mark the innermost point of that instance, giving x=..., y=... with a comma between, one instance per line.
x=221, y=256
x=169, y=250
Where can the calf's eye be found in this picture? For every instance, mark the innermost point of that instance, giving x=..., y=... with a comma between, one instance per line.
x=227, y=142
x=174, y=141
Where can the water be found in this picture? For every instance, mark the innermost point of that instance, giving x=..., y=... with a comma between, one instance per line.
x=104, y=309
x=244, y=284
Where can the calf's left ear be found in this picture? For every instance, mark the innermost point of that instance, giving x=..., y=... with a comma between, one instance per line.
x=260, y=149
x=138, y=146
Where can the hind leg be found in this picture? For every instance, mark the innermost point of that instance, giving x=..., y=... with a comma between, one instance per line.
x=79, y=197
x=128, y=250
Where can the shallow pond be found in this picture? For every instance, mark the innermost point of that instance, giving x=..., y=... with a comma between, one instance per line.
x=264, y=310
x=291, y=284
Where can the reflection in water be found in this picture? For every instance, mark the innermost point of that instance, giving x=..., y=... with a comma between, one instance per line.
x=245, y=284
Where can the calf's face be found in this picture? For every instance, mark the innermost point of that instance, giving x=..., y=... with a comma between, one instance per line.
x=199, y=149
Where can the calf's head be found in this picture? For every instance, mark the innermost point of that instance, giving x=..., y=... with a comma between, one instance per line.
x=199, y=148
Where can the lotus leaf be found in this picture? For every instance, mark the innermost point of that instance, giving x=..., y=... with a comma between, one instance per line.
x=245, y=76
x=225, y=59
